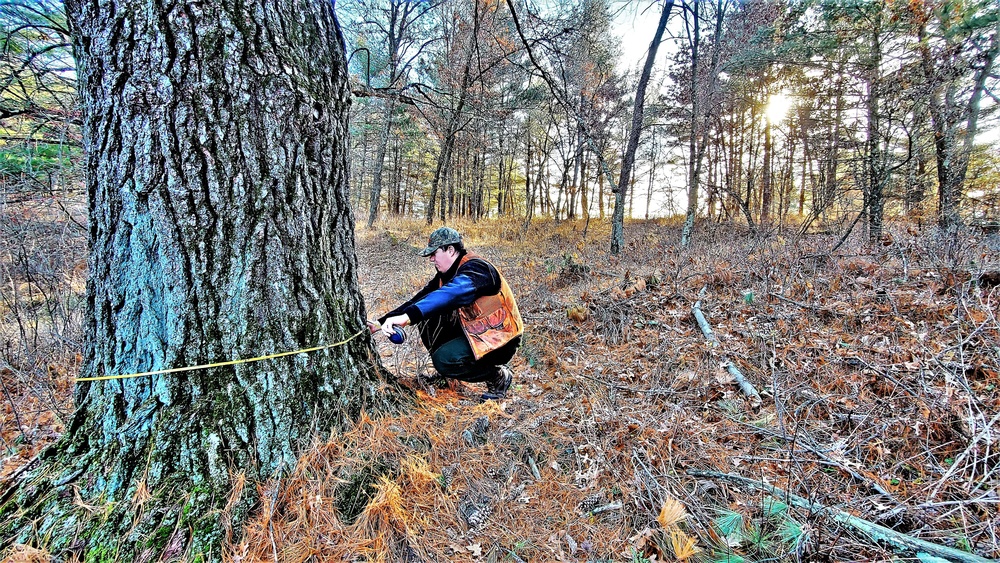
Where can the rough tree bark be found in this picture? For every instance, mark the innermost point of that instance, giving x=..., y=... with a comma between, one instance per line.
x=219, y=229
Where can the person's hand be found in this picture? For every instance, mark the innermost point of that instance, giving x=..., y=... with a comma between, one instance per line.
x=373, y=326
x=398, y=320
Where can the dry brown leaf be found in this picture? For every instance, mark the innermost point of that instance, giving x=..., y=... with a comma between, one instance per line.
x=476, y=549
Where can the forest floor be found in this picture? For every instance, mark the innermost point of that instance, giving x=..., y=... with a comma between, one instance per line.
x=627, y=436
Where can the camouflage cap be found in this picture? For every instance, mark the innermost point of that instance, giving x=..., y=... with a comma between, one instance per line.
x=441, y=237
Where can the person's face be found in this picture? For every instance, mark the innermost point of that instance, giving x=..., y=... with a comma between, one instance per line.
x=443, y=258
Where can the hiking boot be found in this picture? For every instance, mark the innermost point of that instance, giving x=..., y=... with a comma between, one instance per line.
x=497, y=387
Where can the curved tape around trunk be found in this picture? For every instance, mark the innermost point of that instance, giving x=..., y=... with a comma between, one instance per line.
x=222, y=364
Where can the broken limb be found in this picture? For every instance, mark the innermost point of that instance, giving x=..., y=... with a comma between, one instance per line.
x=874, y=531
x=745, y=386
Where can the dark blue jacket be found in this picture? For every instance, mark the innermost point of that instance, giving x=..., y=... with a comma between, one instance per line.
x=434, y=309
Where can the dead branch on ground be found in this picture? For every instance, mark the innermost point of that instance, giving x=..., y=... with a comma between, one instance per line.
x=874, y=531
x=748, y=389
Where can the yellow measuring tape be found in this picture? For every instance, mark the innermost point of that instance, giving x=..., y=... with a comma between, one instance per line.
x=222, y=364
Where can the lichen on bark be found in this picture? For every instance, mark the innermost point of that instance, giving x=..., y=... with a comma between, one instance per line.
x=219, y=229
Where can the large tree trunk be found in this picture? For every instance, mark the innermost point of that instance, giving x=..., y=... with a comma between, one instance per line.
x=219, y=229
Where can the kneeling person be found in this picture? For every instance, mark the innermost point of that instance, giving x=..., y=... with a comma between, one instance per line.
x=467, y=316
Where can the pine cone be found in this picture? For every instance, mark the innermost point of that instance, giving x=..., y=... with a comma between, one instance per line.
x=592, y=501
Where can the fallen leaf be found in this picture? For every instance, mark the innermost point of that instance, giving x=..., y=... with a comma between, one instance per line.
x=476, y=549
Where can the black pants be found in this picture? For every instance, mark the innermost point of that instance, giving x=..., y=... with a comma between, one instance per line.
x=454, y=359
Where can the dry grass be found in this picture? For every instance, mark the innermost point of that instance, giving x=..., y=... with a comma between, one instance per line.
x=42, y=285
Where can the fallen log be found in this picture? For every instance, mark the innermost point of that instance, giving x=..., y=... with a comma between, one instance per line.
x=706, y=329
x=876, y=532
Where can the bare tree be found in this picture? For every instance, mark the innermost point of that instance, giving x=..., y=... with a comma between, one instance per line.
x=618, y=217
x=399, y=26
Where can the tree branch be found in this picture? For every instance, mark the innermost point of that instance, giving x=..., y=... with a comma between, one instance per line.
x=387, y=93
x=874, y=531
x=563, y=99
x=748, y=389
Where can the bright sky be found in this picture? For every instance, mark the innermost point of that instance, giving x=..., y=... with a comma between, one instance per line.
x=635, y=26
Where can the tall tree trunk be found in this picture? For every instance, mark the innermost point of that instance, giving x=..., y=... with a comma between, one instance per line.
x=509, y=175
x=361, y=171
x=454, y=120
x=743, y=170
x=575, y=183
x=631, y=196
x=220, y=228
x=652, y=174
x=397, y=178
x=406, y=203
x=711, y=191
x=383, y=144
x=600, y=196
x=955, y=121
x=395, y=32
x=440, y=170
x=874, y=166
x=875, y=158
x=618, y=217
x=700, y=117
x=694, y=37
x=529, y=194
x=807, y=161
x=832, y=164
x=765, y=180
x=787, y=178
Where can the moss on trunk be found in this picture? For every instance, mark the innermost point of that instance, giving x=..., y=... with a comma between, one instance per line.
x=219, y=229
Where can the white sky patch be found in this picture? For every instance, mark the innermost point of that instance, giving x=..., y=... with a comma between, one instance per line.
x=778, y=106
x=635, y=27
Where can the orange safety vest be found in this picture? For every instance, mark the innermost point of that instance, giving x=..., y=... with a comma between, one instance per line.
x=491, y=320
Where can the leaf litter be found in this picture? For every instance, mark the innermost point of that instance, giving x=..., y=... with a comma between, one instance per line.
x=879, y=368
